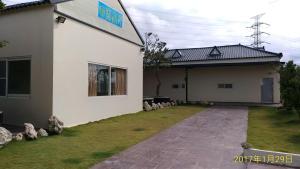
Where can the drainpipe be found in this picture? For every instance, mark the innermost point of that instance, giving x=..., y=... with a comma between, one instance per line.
x=186, y=84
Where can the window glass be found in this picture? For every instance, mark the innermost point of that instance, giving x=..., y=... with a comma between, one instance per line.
x=221, y=86
x=118, y=81
x=2, y=87
x=19, y=77
x=225, y=86
x=228, y=86
x=2, y=78
x=98, y=80
x=175, y=86
x=2, y=69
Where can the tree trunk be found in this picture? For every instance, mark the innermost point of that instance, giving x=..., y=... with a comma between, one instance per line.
x=158, y=83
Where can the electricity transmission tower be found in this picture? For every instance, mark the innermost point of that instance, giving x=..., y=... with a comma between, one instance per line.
x=257, y=35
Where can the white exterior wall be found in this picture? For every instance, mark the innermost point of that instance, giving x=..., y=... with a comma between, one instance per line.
x=29, y=33
x=168, y=77
x=246, y=80
x=203, y=83
x=87, y=11
x=75, y=45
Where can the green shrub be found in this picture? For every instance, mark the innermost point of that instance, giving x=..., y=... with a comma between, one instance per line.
x=290, y=86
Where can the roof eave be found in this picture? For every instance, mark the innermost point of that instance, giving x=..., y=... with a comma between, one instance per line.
x=235, y=60
x=31, y=4
x=132, y=23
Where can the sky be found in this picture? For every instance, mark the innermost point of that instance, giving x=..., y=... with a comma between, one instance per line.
x=202, y=23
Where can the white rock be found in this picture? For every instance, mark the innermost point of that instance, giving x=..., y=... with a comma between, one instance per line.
x=55, y=125
x=160, y=106
x=5, y=136
x=30, y=132
x=147, y=107
x=42, y=133
x=154, y=106
x=164, y=104
x=18, y=137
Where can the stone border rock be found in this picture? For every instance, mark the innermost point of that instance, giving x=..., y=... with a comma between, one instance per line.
x=291, y=160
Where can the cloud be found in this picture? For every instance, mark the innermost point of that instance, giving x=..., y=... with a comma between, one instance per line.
x=198, y=23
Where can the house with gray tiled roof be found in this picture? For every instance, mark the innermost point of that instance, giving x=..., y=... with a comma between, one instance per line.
x=231, y=74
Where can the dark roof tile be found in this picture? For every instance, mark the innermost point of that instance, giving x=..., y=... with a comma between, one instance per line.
x=30, y=4
x=227, y=52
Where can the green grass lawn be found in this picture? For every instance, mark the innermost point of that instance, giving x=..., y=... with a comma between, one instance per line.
x=86, y=145
x=270, y=129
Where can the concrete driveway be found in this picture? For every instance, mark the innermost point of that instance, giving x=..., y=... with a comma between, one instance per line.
x=207, y=140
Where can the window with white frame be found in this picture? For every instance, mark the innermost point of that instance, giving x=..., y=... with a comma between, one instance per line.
x=106, y=80
x=15, y=77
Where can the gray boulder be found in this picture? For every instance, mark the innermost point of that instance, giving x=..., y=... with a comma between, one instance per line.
x=168, y=104
x=5, y=136
x=42, y=133
x=154, y=106
x=18, y=137
x=160, y=106
x=55, y=125
x=30, y=132
x=164, y=104
x=147, y=107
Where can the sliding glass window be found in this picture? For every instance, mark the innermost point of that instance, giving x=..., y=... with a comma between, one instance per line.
x=19, y=77
x=15, y=77
x=106, y=80
x=118, y=81
x=98, y=80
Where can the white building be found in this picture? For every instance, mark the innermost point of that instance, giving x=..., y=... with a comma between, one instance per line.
x=79, y=60
x=231, y=74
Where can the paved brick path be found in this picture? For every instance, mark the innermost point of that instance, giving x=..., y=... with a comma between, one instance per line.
x=208, y=140
x=260, y=166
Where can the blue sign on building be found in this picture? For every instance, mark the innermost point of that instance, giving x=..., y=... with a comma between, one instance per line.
x=110, y=15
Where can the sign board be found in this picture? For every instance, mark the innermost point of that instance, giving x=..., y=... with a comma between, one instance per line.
x=110, y=15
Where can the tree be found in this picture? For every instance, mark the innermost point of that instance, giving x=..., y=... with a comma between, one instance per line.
x=154, y=58
x=290, y=86
x=3, y=43
x=2, y=5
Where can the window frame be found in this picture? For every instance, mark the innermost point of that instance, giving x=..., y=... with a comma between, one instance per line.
x=6, y=74
x=109, y=75
x=126, y=80
x=7, y=60
x=225, y=85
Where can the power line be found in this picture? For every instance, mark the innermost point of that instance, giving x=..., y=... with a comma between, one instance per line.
x=162, y=36
x=178, y=21
x=183, y=27
x=177, y=32
x=179, y=15
x=257, y=35
x=163, y=12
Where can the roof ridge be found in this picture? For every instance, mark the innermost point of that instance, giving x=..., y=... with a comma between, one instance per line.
x=204, y=47
x=265, y=51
